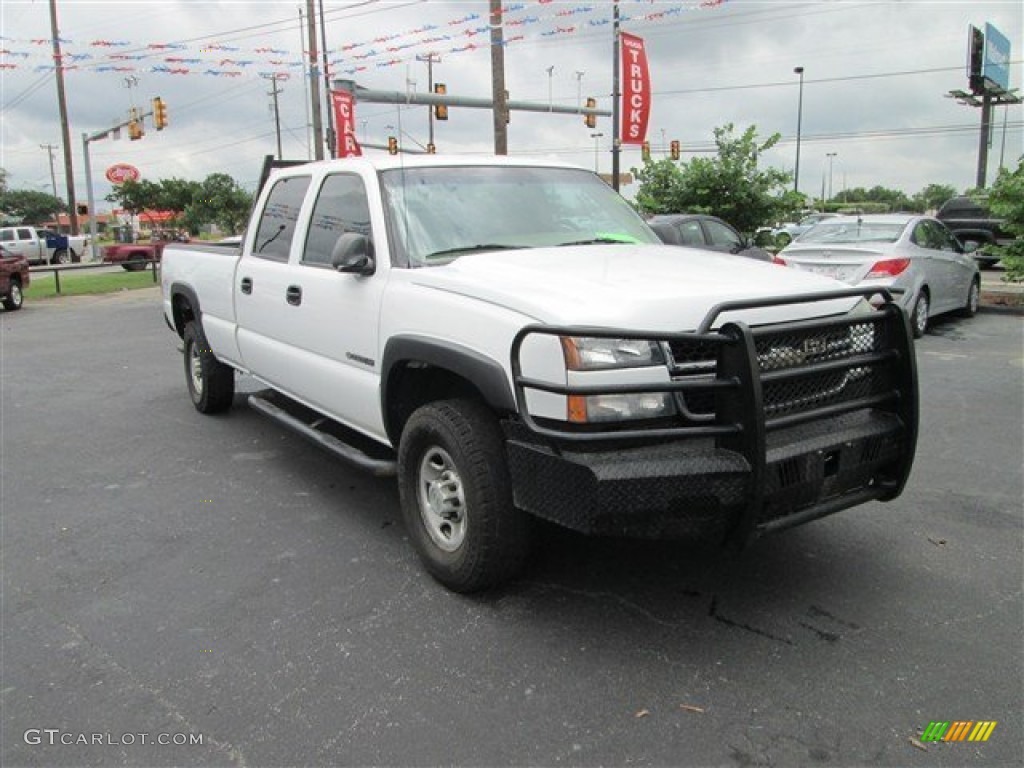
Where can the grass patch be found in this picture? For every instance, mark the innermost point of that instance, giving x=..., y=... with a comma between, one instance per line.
x=43, y=286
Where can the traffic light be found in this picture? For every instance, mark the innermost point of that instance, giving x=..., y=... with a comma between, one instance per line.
x=82, y=209
x=159, y=114
x=392, y=145
x=590, y=120
x=674, y=149
x=645, y=151
x=440, y=110
x=135, y=130
x=431, y=149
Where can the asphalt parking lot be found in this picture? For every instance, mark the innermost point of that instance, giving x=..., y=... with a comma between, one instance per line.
x=167, y=574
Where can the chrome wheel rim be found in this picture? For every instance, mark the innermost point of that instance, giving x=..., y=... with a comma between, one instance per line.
x=442, y=500
x=195, y=369
x=974, y=299
x=15, y=293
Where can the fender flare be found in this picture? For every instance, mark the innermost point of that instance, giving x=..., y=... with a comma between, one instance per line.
x=485, y=373
x=182, y=289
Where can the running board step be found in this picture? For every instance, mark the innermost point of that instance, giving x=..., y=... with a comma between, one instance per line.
x=314, y=432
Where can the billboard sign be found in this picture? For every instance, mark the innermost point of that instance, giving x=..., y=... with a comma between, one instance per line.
x=344, y=106
x=995, y=66
x=119, y=173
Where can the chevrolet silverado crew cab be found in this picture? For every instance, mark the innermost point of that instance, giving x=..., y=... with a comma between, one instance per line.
x=511, y=340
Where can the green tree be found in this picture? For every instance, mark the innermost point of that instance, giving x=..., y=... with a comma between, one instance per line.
x=729, y=185
x=881, y=199
x=933, y=196
x=1006, y=200
x=136, y=196
x=223, y=202
x=29, y=206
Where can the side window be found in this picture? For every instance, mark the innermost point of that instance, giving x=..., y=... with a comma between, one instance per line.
x=6, y=235
x=721, y=235
x=691, y=234
x=24, y=234
x=946, y=239
x=279, y=217
x=340, y=207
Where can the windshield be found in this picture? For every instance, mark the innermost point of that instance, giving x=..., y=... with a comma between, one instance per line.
x=853, y=231
x=437, y=214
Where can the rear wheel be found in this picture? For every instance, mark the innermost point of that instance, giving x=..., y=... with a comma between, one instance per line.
x=970, y=309
x=456, y=496
x=919, y=317
x=15, y=298
x=211, y=384
x=136, y=262
x=60, y=256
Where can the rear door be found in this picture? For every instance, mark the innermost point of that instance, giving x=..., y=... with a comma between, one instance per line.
x=265, y=320
x=933, y=254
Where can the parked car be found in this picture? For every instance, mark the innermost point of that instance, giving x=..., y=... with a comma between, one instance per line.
x=914, y=254
x=787, y=233
x=971, y=222
x=14, y=278
x=697, y=230
x=42, y=246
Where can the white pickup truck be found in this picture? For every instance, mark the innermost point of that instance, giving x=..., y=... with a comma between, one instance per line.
x=512, y=340
x=41, y=246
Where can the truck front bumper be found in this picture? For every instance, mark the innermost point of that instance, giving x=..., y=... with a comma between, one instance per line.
x=695, y=490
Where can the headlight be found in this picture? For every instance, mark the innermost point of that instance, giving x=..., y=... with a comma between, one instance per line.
x=604, y=408
x=590, y=354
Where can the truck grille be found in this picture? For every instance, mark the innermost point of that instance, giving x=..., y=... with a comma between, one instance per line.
x=801, y=369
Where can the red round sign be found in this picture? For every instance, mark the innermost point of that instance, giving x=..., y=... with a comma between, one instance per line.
x=119, y=173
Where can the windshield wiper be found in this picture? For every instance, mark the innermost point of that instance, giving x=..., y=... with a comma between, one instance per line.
x=471, y=248
x=600, y=239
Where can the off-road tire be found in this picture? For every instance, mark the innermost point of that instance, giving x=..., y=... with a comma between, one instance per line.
x=61, y=256
x=456, y=496
x=14, y=298
x=211, y=384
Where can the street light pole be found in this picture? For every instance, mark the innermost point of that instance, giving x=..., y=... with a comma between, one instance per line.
x=596, y=137
x=799, y=121
x=831, y=156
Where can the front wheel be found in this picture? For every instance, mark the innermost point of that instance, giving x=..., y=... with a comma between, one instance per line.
x=15, y=298
x=211, y=384
x=456, y=496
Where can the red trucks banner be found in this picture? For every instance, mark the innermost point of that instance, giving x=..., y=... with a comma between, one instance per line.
x=636, y=91
x=344, y=105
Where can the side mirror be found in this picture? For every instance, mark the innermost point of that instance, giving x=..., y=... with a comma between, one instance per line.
x=970, y=246
x=353, y=254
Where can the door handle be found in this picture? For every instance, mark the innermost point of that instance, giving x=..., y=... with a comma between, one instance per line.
x=293, y=295
x=246, y=285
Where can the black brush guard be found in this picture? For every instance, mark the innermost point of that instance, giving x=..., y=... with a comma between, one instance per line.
x=796, y=421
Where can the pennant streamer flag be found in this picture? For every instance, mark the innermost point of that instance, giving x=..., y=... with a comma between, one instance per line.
x=636, y=91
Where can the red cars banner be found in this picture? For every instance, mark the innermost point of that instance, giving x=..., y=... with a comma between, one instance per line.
x=344, y=105
x=636, y=91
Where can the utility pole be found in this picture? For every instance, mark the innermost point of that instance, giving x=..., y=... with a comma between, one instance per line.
x=498, y=80
x=65, y=126
x=799, y=121
x=332, y=136
x=277, y=115
x=616, y=96
x=314, y=83
x=53, y=176
x=431, y=59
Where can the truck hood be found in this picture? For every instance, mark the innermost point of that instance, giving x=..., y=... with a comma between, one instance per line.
x=649, y=287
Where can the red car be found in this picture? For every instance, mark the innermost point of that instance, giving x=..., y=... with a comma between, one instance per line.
x=13, y=279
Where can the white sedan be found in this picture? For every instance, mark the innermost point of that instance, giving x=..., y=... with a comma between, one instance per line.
x=913, y=254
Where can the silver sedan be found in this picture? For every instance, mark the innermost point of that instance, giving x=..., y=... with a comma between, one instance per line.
x=913, y=254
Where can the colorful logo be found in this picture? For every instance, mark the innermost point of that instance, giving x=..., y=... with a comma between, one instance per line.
x=958, y=730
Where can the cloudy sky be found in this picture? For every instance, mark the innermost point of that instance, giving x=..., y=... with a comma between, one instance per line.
x=875, y=79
